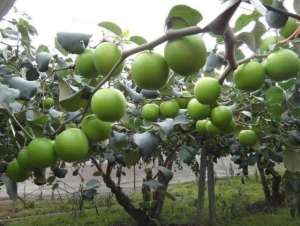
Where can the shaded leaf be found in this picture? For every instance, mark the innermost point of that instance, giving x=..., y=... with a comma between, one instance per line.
x=32, y=74
x=166, y=126
x=73, y=42
x=7, y=95
x=42, y=60
x=92, y=184
x=118, y=139
x=131, y=158
x=187, y=154
x=147, y=142
x=27, y=88
x=168, y=174
x=11, y=187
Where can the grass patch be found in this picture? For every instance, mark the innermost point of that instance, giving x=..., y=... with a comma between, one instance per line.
x=232, y=196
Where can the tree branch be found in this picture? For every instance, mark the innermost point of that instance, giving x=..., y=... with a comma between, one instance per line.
x=269, y=7
x=231, y=68
x=136, y=213
x=62, y=126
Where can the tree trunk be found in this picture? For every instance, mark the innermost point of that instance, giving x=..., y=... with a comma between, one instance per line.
x=212, y=218
x=159, y=195
x=201, y=183
x=138, y=214
x=264, y=182
x=277, y=197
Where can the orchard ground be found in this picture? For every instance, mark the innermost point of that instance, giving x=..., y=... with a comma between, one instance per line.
x=234, y=199
x=71, y=183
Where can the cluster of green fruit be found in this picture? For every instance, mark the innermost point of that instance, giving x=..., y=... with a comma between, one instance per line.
x=72, y=144
x=280, y=65
x=203, y=106
x=149, y=70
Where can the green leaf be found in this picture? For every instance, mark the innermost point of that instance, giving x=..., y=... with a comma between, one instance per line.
x=183, y=16
x=245, y=19
x=249, y=39
x=111, y=27
x=69, y=99
x=139, y=40
x=73, y=42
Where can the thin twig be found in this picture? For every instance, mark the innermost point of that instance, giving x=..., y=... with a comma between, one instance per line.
x=62, y=126
x=12, y=116
x=231, y=68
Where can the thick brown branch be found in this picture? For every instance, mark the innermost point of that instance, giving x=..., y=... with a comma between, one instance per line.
x=138, y=214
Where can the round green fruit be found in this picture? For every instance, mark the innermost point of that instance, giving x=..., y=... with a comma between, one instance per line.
x=221, y=116
x=150, y=112
x=48, y=102
x=84, y=64
x=201, y=126
x=72, y=145
x=15, y=172
x=197, y=110
x=211, y=129
x=207, y=90
x=95, y=129
x=268, y=43
x=41, y=153
x=186, y=55
x=24, y=160
x=247, y=137
x=249, y=76
x=108, y=104
x=289, y=28
x=169, y=109
x=149, y=70
x=282, y=65
x=106, y=56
